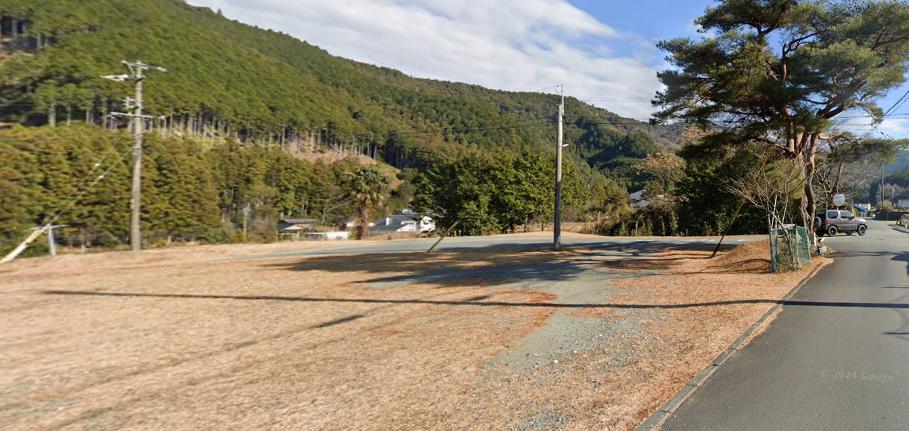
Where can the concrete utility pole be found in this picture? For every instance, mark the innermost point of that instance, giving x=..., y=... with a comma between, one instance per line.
x=246, y=211
x=557, y=222
x=137, y=75
x=51, y=242
x=135, y=230
x=882, y=185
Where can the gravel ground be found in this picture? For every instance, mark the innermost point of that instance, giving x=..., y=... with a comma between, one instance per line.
x=480, y=339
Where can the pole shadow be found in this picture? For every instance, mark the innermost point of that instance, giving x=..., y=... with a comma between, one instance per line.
x=473, y=302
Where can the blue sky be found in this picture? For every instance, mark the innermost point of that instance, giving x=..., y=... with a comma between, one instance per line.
x=652, y=19
x=602, y=50
x=665, y=19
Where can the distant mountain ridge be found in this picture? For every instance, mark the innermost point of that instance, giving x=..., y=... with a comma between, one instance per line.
x=226, y=78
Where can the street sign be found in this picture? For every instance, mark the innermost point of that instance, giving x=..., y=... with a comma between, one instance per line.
x=839, y=199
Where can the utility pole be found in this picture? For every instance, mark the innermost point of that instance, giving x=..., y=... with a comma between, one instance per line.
x=557, y=222
x=51, y=242
x=137, y=75
x=135, y=229
x=882, y=185
x=246, y=211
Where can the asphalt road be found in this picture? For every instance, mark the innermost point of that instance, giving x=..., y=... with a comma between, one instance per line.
x=836, y=358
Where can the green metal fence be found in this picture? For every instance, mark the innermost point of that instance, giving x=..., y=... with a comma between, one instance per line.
x=790, y=248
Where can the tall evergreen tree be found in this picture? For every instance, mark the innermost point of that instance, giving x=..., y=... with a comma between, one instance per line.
x=779, y=72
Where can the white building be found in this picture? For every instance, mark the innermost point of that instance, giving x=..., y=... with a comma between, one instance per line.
x=638, y=201
x=407, y=221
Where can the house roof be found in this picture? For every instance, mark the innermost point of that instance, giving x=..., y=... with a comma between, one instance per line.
x=298, y=220
x=292, y=228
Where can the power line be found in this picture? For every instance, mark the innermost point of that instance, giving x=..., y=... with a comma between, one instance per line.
x=551, y=87
x=75, y=199
x=897, y=104
x=888, y=112
x=631, y=122
x=87, y=184
x=612, y=99
x=49, y=222
x=854, y=117
x=529, y=124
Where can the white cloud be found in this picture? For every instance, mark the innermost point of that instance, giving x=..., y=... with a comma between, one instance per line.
x=890, y=127
x=520, y=45
x=895, y=126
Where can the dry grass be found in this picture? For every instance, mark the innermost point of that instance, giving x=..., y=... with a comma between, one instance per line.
x=201, y=338
x=716, y=300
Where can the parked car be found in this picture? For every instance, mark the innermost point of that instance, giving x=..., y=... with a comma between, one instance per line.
x=832, y=222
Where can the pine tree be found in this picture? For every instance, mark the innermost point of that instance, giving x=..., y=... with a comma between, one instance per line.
x=779, y=71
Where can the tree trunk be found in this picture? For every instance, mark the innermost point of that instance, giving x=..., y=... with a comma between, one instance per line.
x=283, y=137
x=806, y=206
x=811, y=168
x=104, y=120
x=363, y=225
x=52, y=114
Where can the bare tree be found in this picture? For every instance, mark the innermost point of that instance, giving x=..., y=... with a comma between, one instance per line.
x=847, y=164
x=775, y=188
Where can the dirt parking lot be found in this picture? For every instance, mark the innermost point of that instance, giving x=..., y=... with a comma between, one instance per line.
x=220, y=337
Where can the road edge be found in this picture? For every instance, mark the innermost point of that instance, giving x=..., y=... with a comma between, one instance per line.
x=659, y=416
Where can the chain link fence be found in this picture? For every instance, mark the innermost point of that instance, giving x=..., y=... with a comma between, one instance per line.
x=790, y=248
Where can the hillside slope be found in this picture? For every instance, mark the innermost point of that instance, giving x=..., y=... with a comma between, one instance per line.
x=226, y=78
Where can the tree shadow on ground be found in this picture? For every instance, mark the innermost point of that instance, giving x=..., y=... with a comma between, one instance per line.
x=491, y=266
x=654, y=263
x=672, y=260
x=898, y=228
x=743, y=266
x=630, y=247
x=892, y=254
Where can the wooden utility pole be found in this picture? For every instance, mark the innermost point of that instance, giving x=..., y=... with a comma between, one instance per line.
x=137, y=75
x=557, y=222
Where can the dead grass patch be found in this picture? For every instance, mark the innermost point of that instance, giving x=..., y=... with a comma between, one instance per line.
x=205, y=339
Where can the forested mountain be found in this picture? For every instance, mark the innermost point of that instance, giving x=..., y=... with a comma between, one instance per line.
x=245, y=122
x=226, y=78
